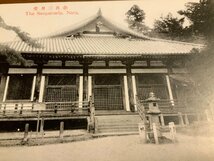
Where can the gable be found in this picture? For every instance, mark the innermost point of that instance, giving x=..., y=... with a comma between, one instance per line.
x=95, y=23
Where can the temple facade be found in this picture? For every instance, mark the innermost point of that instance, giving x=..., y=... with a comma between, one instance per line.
x=101, y=60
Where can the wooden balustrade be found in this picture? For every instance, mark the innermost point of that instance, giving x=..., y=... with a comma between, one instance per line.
x=46, y=108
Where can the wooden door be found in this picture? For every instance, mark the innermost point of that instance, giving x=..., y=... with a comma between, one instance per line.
x=108, y=93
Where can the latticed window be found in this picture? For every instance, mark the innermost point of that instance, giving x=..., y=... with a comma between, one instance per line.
x=20, y=87
x=61, y=88
x=108, y=92
x=151, y=83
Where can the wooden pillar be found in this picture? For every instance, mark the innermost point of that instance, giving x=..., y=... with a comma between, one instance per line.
x=2, y=86
x=134, y=91
x=42, y=126
x=169, y=90
x=42, y=88
x=6, y=88
x=3, y=76
x=80, y=90
x=85, y=82
x=38, y=95
x=128, y=64
x=89, y=87
x=33, y=88
x=85, y=65
x=38, y=82
x=127, y=104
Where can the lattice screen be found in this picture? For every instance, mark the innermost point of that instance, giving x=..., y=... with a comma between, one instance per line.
x=108, y=92
x=61, y=88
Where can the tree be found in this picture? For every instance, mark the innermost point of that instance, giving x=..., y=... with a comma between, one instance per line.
x=201, y=67
x=201, y=16
x=9, y=55
x=170, y=26
x=135, y=18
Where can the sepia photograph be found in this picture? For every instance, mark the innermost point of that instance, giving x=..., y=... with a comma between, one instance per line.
x=107, y=80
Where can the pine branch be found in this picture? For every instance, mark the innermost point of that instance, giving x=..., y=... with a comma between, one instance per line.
x=24, y=36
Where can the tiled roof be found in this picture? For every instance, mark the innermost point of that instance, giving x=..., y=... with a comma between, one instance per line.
x=105, y=45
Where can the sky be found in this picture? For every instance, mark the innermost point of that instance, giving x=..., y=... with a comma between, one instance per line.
x=30, y=17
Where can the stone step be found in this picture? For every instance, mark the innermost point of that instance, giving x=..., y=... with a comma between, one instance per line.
x=117, y=126
x=117, y=123
x=118, y=130
x=114, y=134
x=118, y=117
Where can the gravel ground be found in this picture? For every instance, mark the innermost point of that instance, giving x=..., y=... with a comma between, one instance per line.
x=118, y=148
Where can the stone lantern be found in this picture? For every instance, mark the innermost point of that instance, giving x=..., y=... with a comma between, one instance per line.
x=153, y=111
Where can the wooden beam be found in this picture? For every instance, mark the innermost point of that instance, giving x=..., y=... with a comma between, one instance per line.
x=62, y=71
x=22, y=71
x=160, y=70
x=106, y=71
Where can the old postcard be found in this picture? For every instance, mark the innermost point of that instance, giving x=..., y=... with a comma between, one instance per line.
x=114, y=80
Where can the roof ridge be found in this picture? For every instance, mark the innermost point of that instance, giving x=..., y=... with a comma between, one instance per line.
x=175, y=41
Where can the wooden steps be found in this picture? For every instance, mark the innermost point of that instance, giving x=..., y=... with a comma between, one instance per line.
x=116, y=124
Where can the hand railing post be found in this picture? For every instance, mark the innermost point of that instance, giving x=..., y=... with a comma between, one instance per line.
x=37, y=125
x=142, y=114
x=25, y=139
x=92, y=114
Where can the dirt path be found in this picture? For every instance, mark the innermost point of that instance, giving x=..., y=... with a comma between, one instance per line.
x=123, y=148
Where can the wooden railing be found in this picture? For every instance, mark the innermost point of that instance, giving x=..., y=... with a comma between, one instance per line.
x=46, y=108
x=166, y=105
x=141, y=110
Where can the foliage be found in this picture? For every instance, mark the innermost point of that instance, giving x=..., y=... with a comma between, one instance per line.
x=201, y=65
x=10, y=55
x=135, y=18
x=171, y=26
x=201, y=16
